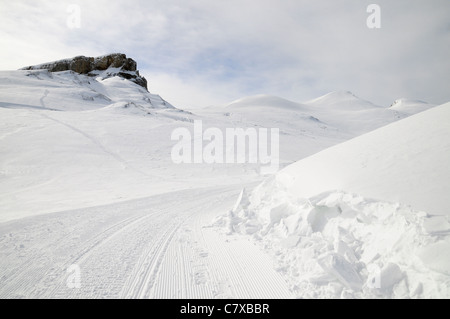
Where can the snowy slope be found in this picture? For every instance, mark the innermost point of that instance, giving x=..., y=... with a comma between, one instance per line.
x=69, y=91
x=306, y=128
x=408, y=106
x=351, y=113
x=340, y=110
x=87, y=180
x=64, y=155
x=112, y=137
x=404, y=162
x=301, y=134
x=366, y=218
x=69, y=141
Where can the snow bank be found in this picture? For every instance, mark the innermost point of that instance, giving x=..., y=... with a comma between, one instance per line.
x=386, y=235
x=341, y=245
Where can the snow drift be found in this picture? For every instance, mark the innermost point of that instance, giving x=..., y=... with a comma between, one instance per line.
x=403, y=162
x=368, y=218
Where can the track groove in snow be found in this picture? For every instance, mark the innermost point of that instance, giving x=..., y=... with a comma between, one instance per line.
x=101, y=239
x=144, y=274
x=153, y=247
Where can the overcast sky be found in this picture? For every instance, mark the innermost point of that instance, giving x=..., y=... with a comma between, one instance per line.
x=205, y=52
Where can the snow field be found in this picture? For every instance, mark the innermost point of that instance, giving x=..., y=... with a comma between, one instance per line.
x=154, y=247
x=87, y=184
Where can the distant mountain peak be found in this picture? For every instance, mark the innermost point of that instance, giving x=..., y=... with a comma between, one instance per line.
x=339, y=95
x=410, y=106
x=265, y=100
x=341, y=98
x=342, y=93
x=116, y=63
x=407, y=101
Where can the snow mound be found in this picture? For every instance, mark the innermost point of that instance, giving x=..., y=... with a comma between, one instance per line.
x=341, y=245
x=405, y=162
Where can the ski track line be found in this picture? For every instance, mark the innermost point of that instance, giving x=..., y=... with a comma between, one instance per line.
x=93, y=140
x=142, y=282
x=100, y=239
x=226, y=266
x=183, y=265
x=109, y=234
x=233, y=268
x=169, y=270
x=161, y=262
x=147, y=267
x=165, y=253
x=207, y=266
x=150, y=276
x=6, y=134
x=20, y=274
x=249, y=272
x=45, y=250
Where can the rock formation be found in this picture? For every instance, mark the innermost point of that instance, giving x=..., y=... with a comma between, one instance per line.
x=119, y=64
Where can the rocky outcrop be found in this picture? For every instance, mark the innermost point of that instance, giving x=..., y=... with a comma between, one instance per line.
x=117, y=63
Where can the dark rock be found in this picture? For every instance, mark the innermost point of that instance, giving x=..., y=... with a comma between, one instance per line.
x=127, y=68
x=81, y=64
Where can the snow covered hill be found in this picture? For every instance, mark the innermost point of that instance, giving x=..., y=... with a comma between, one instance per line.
x=408, y=106
x=69, y=91
x=64, y=129
x=307, y=128
x=366, y=218
x=351, y=113
x=71, y=140
x=87, y=180
x=403, y=162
